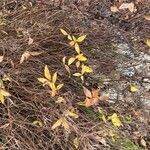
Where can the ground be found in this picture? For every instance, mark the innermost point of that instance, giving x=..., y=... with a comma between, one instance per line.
x=116, y=49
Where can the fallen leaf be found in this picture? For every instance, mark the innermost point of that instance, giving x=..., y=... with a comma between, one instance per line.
x=76, y=143
x=143, y=142
x=148, y=42
x=57, y=124
x=71, y=114
x=129, y=6
x=114, y=9
x=60, y=100
x=30, y=41
x=37, y=123
x=1, y=58
x=147, y=17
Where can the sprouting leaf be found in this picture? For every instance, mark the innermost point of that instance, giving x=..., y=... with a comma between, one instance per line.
x=115, y=120
x=4, y=93
x=1, y=58
x=42, y=80
x=63, y=32
x=1, y=84
x=54, y=77
x=77, y=74
x=76, y=143
x=53, y=93
x=60, y=86
x=81, y=57
x=30, y=41
x=37, y=123
x=82, y=78
x=71, y=43
x=129, y=6
x=77, y=48
x=57, y=124
x=81, y=38
x=86, y=69
x=64, y=60
x=52, y=86
x=68, y=69
x=47, y=73
x=69, y=37
x=2, y=98
x=133, y=88
x=78, y=64
x=71, y=60
x=148, y=42
x=147, y=17
x=74, y=39
x=65, y=124
x=71, y=114
x=60, y=100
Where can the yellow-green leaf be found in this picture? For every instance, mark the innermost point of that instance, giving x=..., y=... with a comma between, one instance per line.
x=76, y=143
x=133, y=88
x=57, y=124
x=2, y=98
x=4, y=93
x=63, y=32
x=37, y=123
x=115, y=120
x=81, y=38
x=81, y=57
x=52, y=86
x=42, y=80
x=148, y=42
x=54, y=77
x=47, y=73
x=65, y=124
x=71, y=60
x=77, y=74
x=77, y=48
x=86, y=69
x=74, y=38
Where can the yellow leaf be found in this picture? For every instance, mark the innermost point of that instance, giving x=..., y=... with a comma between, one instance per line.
x=54, y=77
x=81, y=38
x=63, y=32
x=69, y=37
x=37, y=123
x=59, y=86
x=53, y=93
x=4, y=93
x=71, y=43
x=47, y=73
x=80, y=57
x=78, y=64
x=76, y=143
x=74, y=38
x=65, y=124
x=2, y=99
x=42, y=80
x=60, y=100
x=64, y=60
x=115, y=120
x=133, y=88
x=52, y=86
x=68, y=69
x=71, y=114
x=86, y=69
x=57, y=124
x=77, y=74
x=71, y=60
x=77, y=48
x=148, y=42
